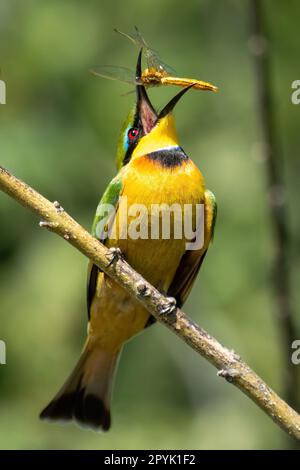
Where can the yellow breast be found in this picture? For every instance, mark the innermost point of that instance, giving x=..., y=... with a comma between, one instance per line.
x=115, y=316
x=147, y=188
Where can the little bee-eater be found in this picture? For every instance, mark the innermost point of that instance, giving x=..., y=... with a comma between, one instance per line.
x=153, y=170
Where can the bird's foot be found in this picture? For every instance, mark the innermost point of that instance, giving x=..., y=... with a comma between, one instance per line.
x=168, y=306
x=113, y=255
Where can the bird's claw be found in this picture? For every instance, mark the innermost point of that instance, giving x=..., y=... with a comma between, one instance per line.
x=114, y=254
x=168, y=307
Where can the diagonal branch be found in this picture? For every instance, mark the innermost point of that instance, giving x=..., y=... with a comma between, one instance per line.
x=229, y=364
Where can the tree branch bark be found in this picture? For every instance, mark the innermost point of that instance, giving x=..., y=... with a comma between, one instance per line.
x=229, y=364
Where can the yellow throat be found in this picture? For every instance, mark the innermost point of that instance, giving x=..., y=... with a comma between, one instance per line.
x=162, y=136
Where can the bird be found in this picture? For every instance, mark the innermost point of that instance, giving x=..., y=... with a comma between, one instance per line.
x=153, y=169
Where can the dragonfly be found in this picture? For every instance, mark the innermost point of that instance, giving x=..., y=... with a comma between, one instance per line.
x=157, y=72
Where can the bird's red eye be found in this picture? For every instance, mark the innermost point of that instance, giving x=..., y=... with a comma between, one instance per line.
x=132, y=133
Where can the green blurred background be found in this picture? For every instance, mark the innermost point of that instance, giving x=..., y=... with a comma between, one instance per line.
x=58, y=132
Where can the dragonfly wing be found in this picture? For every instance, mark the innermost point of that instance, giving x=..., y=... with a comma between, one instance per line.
x=111, y=72
x=151, y=56
x=136, y=38
x=154, y=61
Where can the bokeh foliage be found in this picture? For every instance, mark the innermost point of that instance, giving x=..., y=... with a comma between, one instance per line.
x=58, y=132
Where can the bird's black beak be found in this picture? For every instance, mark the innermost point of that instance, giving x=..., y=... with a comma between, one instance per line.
x=144, y=108
x=172, y=103
x=145, y=111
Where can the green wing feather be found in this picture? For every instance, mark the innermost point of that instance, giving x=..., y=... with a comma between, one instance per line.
x=192, y=260
x=106, y=209
x=212, y=202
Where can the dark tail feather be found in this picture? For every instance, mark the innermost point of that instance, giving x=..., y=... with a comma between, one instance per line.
x=85, y=397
